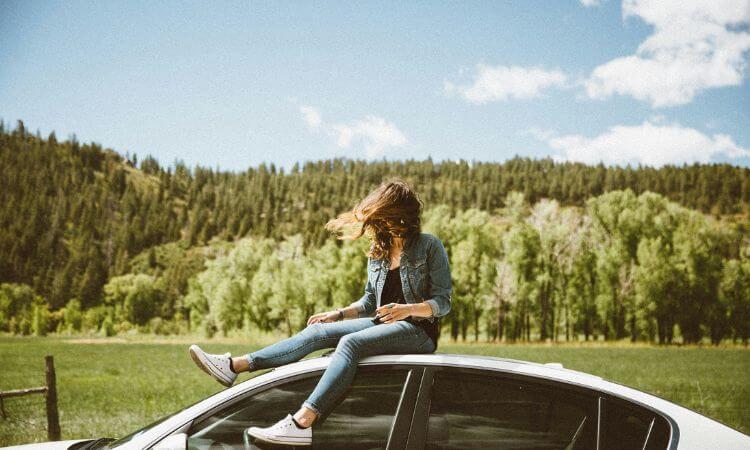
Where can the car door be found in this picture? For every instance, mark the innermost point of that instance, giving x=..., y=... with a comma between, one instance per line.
x=366, y=417
x=462, y=408
x=482, y=409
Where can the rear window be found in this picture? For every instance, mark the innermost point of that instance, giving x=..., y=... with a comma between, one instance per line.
x=625, y=426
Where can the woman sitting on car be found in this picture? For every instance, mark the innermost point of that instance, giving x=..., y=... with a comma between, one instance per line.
x=408, y=288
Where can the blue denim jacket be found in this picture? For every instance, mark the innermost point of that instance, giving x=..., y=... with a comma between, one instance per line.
x=425, y=276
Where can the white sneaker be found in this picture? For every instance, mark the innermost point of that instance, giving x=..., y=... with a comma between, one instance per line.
x=215, y=365
x=285, y=432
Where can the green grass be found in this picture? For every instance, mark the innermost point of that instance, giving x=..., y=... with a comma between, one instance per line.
x=111, y=387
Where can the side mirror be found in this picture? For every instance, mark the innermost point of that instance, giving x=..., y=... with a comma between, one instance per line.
x=174, y=442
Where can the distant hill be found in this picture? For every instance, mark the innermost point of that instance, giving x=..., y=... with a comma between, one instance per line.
x=74, y=215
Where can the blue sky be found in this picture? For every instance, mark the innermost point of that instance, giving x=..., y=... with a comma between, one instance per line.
x=232, y=85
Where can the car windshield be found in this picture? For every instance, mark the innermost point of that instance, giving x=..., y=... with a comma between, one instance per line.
x=137, y=433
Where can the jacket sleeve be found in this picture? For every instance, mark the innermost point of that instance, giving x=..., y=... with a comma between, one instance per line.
x=366, y=304
x=441, y=286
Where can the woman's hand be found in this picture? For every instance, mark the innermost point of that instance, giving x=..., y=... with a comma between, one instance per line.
x=392, y=312
x=329, y=316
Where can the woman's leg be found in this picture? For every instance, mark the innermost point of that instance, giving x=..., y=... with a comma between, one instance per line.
x=313, y=337
x=399, y=337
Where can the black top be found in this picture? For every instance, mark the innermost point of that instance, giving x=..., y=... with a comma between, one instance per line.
x=393, y=293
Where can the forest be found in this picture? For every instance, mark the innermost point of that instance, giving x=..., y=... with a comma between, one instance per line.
x=97, y=242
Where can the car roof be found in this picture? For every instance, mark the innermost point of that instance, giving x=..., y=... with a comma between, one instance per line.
x=552, y=369
x=551, y=372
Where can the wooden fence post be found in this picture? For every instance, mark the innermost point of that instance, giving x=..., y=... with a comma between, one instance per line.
x=53, y=419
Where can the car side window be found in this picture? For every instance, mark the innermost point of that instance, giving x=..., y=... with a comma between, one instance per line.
x=476, y=411
x=625, y=426
x=224, y=428
x=362, y=419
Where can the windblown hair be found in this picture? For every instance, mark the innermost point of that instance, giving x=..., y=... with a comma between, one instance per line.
x=392, y=209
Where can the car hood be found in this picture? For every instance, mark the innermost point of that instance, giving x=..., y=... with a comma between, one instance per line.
x=57, y=445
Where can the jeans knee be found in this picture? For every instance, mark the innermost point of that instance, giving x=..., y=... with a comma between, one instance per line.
x=315, y=329
x=348, y=342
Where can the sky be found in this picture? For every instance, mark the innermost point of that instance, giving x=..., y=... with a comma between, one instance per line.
x=231, y=85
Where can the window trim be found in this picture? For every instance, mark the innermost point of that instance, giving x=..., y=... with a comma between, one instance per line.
x=417, y=437
x=401, y=427
x=599, y=422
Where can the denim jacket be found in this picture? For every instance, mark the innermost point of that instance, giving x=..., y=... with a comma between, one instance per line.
x=425, y=276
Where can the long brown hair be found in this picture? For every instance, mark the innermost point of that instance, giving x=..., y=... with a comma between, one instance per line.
x=392, y=209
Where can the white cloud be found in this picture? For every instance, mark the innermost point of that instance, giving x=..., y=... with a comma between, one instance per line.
x=311, y=116
x=695, y=45
x=590, y=3
x=538, y=133
x=500, y=83
x=374, y=134
x=648, y=144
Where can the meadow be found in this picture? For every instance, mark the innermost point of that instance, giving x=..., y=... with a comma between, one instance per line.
x=111, y=386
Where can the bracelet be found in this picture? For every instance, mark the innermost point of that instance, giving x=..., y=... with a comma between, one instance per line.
x=341, y=313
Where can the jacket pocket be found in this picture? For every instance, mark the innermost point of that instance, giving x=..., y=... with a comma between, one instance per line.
x=373, y=274
x=417, y=273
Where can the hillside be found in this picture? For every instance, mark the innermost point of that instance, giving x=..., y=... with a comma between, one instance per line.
x=75, y=216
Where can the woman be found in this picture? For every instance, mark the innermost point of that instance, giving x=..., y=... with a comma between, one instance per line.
x=408, y=288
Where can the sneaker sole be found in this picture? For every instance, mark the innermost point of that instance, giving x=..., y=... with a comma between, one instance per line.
x=270, y=440
x=197, y=356
x=197, y=361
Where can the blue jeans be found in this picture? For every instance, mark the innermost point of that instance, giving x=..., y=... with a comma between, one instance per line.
x=353, y=339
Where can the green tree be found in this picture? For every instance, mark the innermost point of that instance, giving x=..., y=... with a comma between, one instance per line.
x=735, y=294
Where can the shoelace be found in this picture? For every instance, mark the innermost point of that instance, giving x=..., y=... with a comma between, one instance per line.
x=219, y=357
x=281, y=426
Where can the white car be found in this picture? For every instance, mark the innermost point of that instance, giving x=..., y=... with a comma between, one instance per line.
x=438, y=401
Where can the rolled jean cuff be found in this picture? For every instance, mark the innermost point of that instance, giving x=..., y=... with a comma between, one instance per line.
x=311, y=406
x=360, y=307
x=251, y=362
x=434, y=307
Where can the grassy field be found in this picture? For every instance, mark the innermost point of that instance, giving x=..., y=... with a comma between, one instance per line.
x=109, y=387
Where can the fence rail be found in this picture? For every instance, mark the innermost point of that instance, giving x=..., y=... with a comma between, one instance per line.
x=21, y=392
x=50, y=394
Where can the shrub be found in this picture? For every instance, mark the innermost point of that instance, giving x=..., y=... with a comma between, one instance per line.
x=107, y=328
x=72, y=315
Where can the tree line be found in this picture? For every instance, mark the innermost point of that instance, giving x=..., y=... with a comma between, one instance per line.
x=639, y=268
x=541, y=250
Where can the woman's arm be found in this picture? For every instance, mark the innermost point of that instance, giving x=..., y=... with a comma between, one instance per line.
x=365, y=306
x=441, y=286
x=350, y=312
x=392, y=312
x=420, y=310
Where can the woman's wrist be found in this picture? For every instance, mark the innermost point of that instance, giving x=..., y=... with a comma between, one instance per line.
x=420, y=310
x=348, y=312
